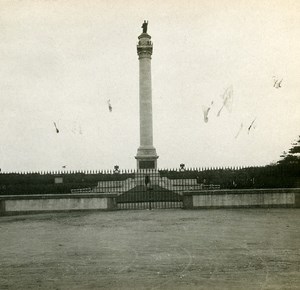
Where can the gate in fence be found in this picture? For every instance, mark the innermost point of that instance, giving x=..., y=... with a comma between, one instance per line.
x=149, y=197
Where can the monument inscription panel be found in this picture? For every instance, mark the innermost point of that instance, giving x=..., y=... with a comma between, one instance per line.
x=147, y=164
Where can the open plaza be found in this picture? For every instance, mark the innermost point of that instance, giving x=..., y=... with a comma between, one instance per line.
x=152, y=249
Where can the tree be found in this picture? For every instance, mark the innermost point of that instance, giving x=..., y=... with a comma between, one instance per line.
x=293, y=155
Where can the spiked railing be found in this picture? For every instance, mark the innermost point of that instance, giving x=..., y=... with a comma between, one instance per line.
x=175, y=180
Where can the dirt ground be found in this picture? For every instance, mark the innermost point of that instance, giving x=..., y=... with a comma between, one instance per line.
x=158, y=249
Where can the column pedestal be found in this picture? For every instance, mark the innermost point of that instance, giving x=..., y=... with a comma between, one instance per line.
x=146, y=158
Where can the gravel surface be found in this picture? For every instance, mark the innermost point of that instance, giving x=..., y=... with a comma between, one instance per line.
x=158, y=249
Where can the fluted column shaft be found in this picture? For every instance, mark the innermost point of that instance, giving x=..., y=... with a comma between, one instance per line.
x=146, y=127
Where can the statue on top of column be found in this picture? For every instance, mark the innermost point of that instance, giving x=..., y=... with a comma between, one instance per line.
x=145, y=26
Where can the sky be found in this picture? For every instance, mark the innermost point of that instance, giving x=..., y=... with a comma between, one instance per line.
x=61, y=61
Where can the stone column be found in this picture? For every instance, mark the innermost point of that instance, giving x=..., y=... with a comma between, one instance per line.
x=146, y=153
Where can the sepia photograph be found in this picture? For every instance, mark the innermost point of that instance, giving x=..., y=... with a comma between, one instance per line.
x=149, y=144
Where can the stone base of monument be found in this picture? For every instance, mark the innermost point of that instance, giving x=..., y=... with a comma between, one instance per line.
x=146, y=158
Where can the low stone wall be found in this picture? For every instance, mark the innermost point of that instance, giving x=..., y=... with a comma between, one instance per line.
x=22, y=204
x=289, y=197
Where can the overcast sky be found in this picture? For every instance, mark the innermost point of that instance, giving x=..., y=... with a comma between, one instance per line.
x=61, y=61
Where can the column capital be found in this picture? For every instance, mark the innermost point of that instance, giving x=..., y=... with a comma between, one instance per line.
x=145, y=46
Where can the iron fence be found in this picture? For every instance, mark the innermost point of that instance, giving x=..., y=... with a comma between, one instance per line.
x=162, y=188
